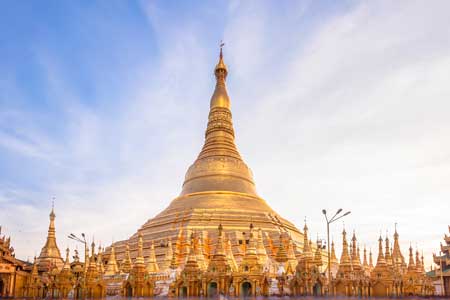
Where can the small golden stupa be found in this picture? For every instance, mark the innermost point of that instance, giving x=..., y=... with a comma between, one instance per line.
x=218, y=189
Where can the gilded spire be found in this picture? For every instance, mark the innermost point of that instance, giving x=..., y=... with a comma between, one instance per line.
x=260, y=249
x=281, y=256
x=230, y=257
x=411, y=264
x=67, y=262
x=86, y=259
x=423, y=264
x=356, y=260
x=397, y=256
x=219, y=166
x=50, y=254
x=126, y=265
x=251, y=249
x=365, y=263
x=174, y=263
x=111, y=266
x=388, y=257
x=168, y=256
x=345, y=257
x=92, y=263
x=418, y=262
x=34, y=271
x=333, y=254
x=318, y=256
x=199, y=250
x=220, y=96
x=100, y=266
x=380, y=260
x=140, y=256
x=219, y=247
x=219, y=260
x=370, y=260
x=191, y=265
x=152, y=265
x=307, y=252
x=345, y=266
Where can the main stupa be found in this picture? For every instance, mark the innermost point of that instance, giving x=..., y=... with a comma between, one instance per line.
x=218, y=189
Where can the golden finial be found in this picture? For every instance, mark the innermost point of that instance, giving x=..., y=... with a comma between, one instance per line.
x=221, y=69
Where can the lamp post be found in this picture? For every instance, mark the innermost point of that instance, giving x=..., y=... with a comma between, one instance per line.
x=336, y=217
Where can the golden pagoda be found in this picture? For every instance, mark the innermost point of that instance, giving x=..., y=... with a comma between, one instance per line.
x=218, y=189
x=50, y=255
x=13, y=277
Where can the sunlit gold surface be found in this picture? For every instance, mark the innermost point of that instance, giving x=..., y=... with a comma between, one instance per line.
x=50, y=254
x=217, y=237
x=218, y=189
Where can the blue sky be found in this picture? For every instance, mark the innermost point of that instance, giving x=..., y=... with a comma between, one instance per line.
x=103, y=105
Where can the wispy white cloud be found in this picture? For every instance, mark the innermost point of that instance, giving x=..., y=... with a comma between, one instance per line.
x=357, y=117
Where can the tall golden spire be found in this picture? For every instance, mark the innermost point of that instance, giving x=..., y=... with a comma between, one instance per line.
x=281, y=255
x=318, y=255
x=199, y=250
x=260, y=249
x=307, y=252
x=356, y=260
x=387, y=255
x=411, y=264
x=220, y=247
x=100, y=266
x=333, y=254
x=345, y=257
x=219, y=166
x=140, y=257
x=50, y=254
x=422, y=264
x=370, y=260
x=34, y=271
x=86, y=259
x=345, y=265
x=111, y=266
x=365, y=265
x=220, y=96
x=397, y=256
x=418, y=262
x=230, y=256
x=168, y=255
x=92, y=263
x=126, y=264
x=191, y=265
x=67, y=262
x=380, y=260
x=219, y=261
x=152, y=265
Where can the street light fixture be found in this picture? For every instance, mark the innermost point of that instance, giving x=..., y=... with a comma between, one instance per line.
x=336, y=217
x=83, y=241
